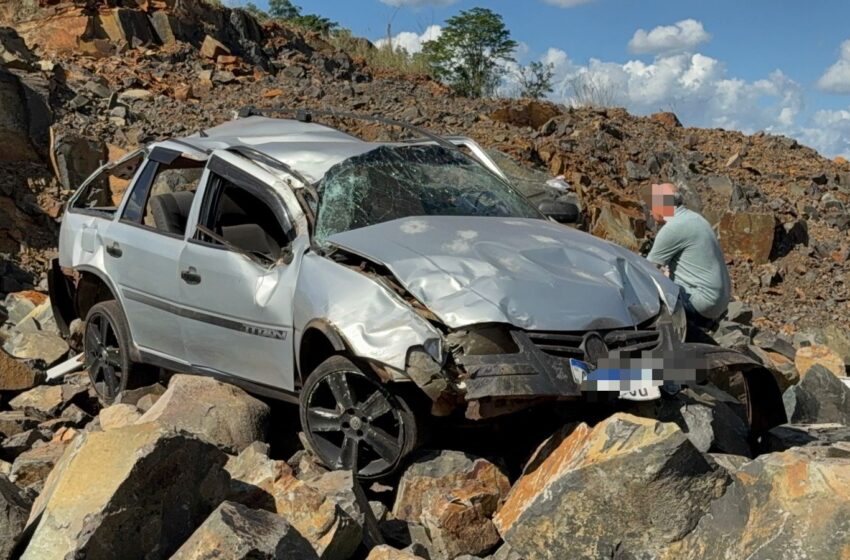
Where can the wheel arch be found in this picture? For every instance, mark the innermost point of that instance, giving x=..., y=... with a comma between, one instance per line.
x=320, y=340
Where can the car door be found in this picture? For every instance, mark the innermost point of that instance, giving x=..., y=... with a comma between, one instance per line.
x=239, y=310
x=142, y=258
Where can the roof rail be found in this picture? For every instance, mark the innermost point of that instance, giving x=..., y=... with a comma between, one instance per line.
x=306, y=116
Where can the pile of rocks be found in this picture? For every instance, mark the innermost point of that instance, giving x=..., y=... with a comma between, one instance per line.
x=186, y=470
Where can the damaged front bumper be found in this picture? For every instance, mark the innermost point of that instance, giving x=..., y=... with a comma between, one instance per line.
x=541, y=366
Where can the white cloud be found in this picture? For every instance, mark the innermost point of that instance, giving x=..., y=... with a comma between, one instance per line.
x=836, y=79
x=567, y=3
x=412, y=42
x=682, y=36
x=418, y=3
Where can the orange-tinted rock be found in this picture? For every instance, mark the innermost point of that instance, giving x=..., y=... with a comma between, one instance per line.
x=794, y=504
x=526, y=113
x=747, y=235
x=16, y=376
x=629, y=486
x=667, y=119
x=818, y=354
x=212, y=49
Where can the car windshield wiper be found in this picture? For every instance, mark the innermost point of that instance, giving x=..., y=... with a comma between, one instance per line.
x=259, y=258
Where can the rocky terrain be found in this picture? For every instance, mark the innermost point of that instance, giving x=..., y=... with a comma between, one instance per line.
x=152, y=476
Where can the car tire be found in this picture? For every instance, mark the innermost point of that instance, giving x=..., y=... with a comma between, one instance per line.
x=106, y=344
x=352, y=421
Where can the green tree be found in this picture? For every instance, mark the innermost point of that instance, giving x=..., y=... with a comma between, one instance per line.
x=535, y=80
x=471, y=52
x=283, y=9
x=255, y=11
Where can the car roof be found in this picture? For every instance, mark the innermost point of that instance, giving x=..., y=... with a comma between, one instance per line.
x=309, y=148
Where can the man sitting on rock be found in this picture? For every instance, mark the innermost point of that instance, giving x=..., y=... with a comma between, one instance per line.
x=687, y=249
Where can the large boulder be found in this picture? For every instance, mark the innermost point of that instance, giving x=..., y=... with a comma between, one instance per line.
x=819, y=398
x=146, y=481
x=14, y=509
x=789, y=505
x=236, y=532
x=453, y=496
x=260, y=482
x=45, y=346
x=14, y=120
x=48, y=400
x=818, y=355
x=786, y=436
x=216, y=412
x=628, y=486
x=343, y=488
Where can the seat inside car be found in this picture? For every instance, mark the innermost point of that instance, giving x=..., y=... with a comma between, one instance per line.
x=171, y=211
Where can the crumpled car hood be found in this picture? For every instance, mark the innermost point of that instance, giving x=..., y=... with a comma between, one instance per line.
x=534, y=274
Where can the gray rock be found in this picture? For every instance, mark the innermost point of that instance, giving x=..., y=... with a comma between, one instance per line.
x=147, y=481
x=43, y=346
x=819, y=398
x=77, y=157
x=786, y=436
x=217, y=412
x=18, y=443
x=16, y=421
x=18, y=306
x=648, y=482
x=14, y=508
x=343, y=489
x=775, y=343
x=236, y=532
x=739, y=312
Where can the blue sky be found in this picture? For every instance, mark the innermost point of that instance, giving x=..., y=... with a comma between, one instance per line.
x=775, y=65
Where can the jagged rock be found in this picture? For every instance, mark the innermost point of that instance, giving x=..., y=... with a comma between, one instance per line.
x=16, y=421
x=118, y=416
x=787, y=436
x=220, y=413
x=747, y=235
x=14, y=53
x=16, y=376
x=385, y=552
x=343, y=488
x=453, y=496
x=819, y=398
x=212, y=49
x=20, y=304
x=793, y=504
x=134, y=396
x=76, y=415
x=14, y=120
x=14, y=508
x=144, y=480
x=18, y=443
x=650, y=481
x=817, y=354
x=777, y=344
x=730, y=463
x=526, y=113
x=707, y=419
x=76, y=157
x=31, y=468
x=44, y=346
x=125, y=25
x=667, y=119
x=257, y=481
x=838, y=340
x=739, y=312
x=48, y=400
x=236, y=532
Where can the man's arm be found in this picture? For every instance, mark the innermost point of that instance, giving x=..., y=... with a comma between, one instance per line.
x=668, y=244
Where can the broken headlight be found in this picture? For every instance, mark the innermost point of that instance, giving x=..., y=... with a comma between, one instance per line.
x=679, y=320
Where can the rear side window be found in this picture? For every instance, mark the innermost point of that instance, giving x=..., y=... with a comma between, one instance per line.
x=104, y=192
x=162, y=195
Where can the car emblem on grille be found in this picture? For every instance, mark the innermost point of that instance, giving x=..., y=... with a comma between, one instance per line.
x=594, y=347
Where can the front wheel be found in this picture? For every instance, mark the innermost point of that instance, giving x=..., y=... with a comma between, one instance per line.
x=351, y=421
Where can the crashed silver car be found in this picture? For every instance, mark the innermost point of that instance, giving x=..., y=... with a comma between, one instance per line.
x=358, y=278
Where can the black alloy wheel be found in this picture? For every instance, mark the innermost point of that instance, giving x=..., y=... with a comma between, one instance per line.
x=353, y=422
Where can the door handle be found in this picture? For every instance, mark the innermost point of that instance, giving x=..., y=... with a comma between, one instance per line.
x=190, y=276
x=114, y=250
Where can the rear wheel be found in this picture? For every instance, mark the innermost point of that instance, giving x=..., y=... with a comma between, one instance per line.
x=353, y=422
x=107, y=343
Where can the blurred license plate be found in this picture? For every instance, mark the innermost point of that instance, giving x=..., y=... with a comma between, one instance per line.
x=632, y=384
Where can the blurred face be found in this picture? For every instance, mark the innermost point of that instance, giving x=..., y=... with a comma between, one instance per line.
x=662, y=202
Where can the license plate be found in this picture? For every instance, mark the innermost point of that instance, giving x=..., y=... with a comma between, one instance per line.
x=631, y=384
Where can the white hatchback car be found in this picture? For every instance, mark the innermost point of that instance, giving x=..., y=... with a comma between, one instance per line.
x=354, y=277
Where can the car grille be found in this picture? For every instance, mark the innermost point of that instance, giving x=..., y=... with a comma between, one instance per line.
x=569, y=345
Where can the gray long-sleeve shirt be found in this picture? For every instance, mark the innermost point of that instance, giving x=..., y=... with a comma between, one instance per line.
x=687, y=245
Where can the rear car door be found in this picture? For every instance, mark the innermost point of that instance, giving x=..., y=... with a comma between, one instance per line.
x=238, y=320
x=142, y=251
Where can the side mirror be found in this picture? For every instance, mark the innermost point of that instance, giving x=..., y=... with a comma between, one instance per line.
x=561, y=212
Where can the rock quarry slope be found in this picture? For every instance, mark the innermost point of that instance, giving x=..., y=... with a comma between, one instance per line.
x=681, y=477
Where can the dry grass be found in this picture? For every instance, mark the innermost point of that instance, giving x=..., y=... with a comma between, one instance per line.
x=380, y=58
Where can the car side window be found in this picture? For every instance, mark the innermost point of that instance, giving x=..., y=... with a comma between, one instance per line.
x=241, y=218
x=103, y=193
x=162, y=195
